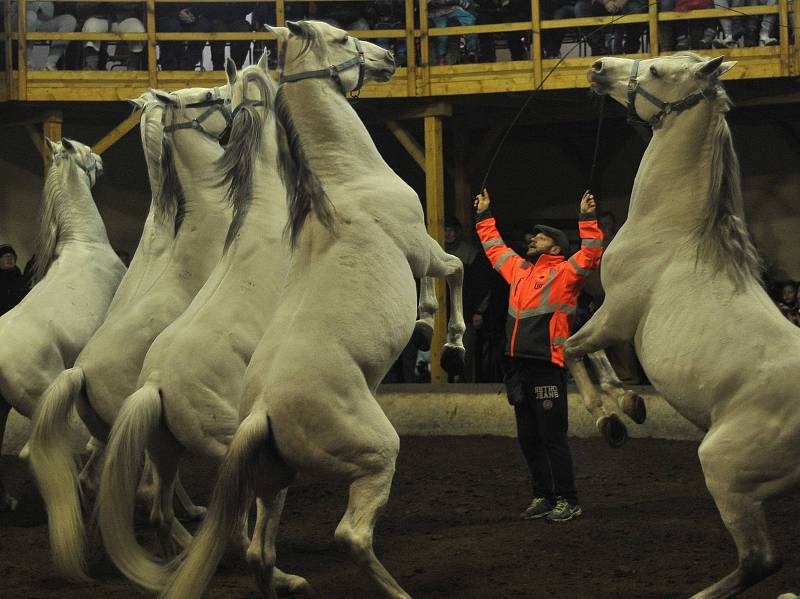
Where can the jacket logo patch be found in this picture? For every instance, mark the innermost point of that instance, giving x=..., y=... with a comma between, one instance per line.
x=547, y=404
x=546, y=392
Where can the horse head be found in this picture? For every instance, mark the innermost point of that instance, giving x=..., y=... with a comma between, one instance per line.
x=75, y=153
x=654, y=88
x=313, y=49
x=204, y=109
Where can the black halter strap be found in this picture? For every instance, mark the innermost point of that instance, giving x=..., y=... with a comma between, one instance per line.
x=214, y=103
x=334, y=70
x=664, y=108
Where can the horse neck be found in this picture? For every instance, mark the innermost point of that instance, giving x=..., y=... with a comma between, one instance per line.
x=69, y=204
x=269, y=192
x=673, y=182
x=336, y=143
x=195, y=157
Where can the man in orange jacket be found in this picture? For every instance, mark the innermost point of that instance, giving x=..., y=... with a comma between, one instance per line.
x=541, y=306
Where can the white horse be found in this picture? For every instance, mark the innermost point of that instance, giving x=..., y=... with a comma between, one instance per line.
x=181, y=243
x=192, y=379
x=78, y=272
x=348, y=310
x=682, y=280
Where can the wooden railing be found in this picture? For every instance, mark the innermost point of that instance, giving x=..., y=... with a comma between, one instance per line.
x=418, y=78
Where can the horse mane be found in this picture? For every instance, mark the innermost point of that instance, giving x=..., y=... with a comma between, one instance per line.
x=722, y=233
x=56, y=218
x=170, y=201
x=237, y=163
x=152, y=132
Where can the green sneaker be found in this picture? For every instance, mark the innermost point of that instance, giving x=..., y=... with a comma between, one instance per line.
x=564, y=511
x=539, y=508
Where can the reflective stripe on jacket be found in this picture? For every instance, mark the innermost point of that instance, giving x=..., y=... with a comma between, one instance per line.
x=543, y=296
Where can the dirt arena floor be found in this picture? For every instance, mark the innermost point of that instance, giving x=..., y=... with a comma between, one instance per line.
x=451, y=529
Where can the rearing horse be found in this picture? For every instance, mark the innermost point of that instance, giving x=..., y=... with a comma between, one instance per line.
x=359, y=239
x=682, y=280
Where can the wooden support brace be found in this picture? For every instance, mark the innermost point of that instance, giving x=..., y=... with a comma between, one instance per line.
x=434, y=204
x=117, y=133
x=408, y=142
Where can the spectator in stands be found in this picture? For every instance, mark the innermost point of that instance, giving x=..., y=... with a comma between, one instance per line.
x=787, y=302
x=179, y=18
x=350, y=16
x=732, y=28
x=697, y=33
x=12, y=283
x=442, y=13
x=43, y=17
x=760, y=28
x=228, y=17
x=390, y=14
x=115, y=18
x=503, y=11
x=624, y=38
x=553, y=38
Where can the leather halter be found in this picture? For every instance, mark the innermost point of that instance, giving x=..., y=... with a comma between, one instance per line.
x=215, y=103
x=665, y=108
x=334, y=70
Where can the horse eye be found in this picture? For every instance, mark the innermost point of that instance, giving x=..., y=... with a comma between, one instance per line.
x=654, y=72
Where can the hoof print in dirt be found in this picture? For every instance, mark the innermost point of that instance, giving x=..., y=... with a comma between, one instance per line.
x=614, y=431
x=452, y=361
x=421, y=338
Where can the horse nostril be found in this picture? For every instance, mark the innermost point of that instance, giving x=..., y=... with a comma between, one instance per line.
x=597, y=67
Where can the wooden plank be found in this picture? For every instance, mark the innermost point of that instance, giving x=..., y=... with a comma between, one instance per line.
x=536, y=43
x=411, y=49
x=424, y=50
x=434, y=204
x=408, y=142
x=87, y=37
x=22, y=58
x=783, y=36
x=117, y=133
x=280, y=13
x=652, y=14
x=490, y=28
x=150, y=27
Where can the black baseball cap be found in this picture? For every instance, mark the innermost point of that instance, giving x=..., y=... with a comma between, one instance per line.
x=7, y=249
x=557, y=235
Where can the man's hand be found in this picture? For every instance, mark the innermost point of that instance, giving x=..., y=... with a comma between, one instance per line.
x=611, y=7
x=587, y=202
x=482, y=201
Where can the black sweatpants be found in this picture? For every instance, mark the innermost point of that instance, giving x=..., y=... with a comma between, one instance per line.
x=538, y=391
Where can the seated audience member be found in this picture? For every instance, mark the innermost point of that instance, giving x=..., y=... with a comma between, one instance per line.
x=624, y=38
x=43, y=17
x=391, y=14
x=759, y=28
x=180, y=18
x=12, y=284
x=349, y=16
x=228, y=17
x=503, y=11
x=787, y=302
x=732, y=27
x=443, y=13
x=698, y=33
x=553, y=38
x=114, y=18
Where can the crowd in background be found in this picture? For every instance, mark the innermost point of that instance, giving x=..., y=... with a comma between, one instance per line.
x=190, y=17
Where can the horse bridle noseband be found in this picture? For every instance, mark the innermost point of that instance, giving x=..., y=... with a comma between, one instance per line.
x=215, y=103
x=665, y=108
x=334, y=70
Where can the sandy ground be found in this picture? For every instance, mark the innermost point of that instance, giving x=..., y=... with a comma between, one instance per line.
x=451, y=529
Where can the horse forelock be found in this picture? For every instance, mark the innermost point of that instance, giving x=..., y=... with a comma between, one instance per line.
x=723, y=234
x=305, y=193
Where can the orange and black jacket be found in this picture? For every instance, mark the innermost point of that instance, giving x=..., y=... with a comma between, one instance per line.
x=544, y=295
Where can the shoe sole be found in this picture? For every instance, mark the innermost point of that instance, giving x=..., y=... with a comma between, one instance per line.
x=537, y=516
x=571, y=516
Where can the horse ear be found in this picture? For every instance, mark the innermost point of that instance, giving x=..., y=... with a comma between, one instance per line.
x=67, y=145
x=280, y=32
x=706, y=69
x=51, y=147
x=163, y=97
x=296, y=28
x=230, y=70
x=726, y=66
x=263, y=61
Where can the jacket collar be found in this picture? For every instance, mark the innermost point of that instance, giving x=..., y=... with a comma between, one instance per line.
x=548, y=261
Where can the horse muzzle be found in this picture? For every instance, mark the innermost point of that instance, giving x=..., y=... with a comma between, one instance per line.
x=596, y=76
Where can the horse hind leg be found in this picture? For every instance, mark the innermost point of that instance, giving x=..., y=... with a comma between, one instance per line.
x=630, y=402
x=7, y=502
x=427, y=307
x=193, y=512
x=451, y=268
x=610, y=426
x=368, y=496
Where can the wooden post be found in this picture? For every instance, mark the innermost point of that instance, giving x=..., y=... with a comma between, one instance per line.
x=797, y=37
x=22, y=50
x=536, y=43
x=51, y=128
x=152, y=63
x=8, y=47
x=424, y=49
x=280, y=13
x=411, y=51
x=434, y=204
x=653, y=22
x=783, y=37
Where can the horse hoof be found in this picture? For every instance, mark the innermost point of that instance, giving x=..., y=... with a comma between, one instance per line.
x=613, y=430
x=196, y=514
x=296, y=585
x=633, y=405
x=422, y=336
x=452, y=361
x=8, y=504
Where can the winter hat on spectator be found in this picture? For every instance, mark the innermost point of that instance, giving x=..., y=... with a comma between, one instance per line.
x=557, y=235
x=7, y=249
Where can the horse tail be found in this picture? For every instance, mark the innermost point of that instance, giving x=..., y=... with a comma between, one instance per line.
x=229, y=503
x=56, y=470
x=138, y=419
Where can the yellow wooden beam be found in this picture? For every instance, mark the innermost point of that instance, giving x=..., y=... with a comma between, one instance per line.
x=152, y=64
x=536, y=43
x=652, y=15
x=51, y=128
x=411, y=50
x=434, y=204
x=22, y=50
x=408, y=142
x=783, y=37
x=116, y=133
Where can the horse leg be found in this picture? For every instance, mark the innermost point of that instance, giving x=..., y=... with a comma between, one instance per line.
x=428, y=305
x=261, y=553
x=194, y=512
x=631, y=403
x=740, y=504
x=451, y=268
x=7, y=503
x=600, y=332
x=368, y=496
x=609, y=425
x=89, y=478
